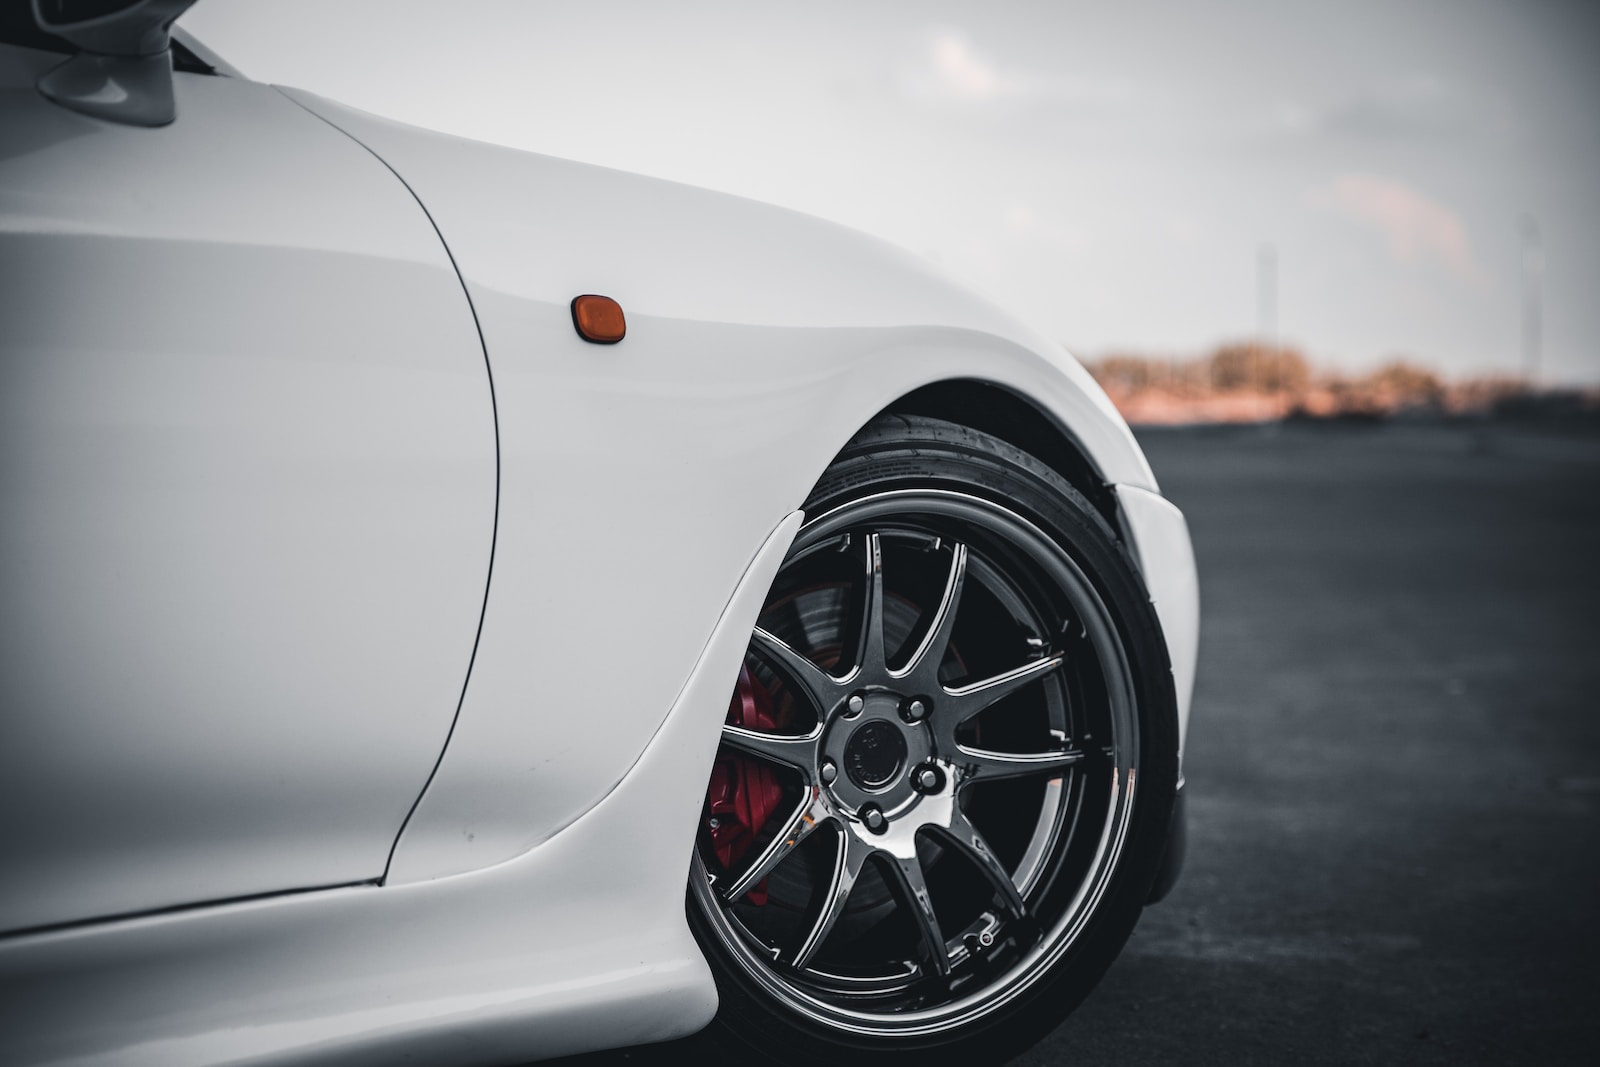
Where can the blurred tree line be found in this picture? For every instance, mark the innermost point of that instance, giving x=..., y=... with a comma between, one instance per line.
x=1246, y=381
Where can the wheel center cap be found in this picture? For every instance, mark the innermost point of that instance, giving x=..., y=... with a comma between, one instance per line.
x=874, y=754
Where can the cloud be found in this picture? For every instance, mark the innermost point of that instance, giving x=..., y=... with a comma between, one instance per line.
x=951, y=69
x=1414, y=227
x=1415, y=109
x=960, y=70
x=1411, y=107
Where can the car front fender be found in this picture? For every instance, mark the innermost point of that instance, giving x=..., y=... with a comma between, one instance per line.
x=638, y=478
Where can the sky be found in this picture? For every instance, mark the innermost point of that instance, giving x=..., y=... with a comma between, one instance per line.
x=1110, y=172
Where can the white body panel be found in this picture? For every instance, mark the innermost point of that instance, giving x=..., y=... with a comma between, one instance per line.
x=745, y=369
x=1160, y=539
x=247, y=474
x=579, y=942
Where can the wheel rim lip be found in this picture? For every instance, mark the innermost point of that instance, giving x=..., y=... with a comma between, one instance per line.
x=1064, y=931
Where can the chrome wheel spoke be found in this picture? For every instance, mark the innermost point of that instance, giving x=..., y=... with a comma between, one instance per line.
x=984, y=765
x=848, y=861
x=923, y=666
x=819, y=685
x=806, y=817
x=970, y=843
x=907, y=873
x=969, y=700
x=790, y=750
x=871, y=654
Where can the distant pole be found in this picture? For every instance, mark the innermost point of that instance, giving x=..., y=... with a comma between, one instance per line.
x=1266, y=303
x=1532, y=299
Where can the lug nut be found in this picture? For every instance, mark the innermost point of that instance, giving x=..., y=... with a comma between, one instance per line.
x=855, y=704
x=829, y=771
x=927, y=778
x=914, y=710
x=875, y=819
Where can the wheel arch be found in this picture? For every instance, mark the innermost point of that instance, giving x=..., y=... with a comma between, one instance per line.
x=1002, y=412
x=1152, y=530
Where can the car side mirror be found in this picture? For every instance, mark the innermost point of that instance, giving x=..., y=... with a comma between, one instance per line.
x=124, y=71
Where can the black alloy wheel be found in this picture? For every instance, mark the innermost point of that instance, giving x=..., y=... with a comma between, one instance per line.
x=944, y=785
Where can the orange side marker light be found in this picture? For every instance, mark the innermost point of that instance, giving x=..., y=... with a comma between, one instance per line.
x=598, y=319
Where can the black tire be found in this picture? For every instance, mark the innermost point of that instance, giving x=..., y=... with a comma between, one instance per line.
x=1022, y=550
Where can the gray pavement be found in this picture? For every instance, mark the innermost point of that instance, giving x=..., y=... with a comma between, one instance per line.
x=1394, y=763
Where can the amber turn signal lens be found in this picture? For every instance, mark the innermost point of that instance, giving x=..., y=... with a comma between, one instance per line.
x=598, y=319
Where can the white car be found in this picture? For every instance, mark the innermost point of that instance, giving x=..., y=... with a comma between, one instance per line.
x=385, y=521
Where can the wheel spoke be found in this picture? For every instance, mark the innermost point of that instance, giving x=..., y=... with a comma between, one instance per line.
x=969, y=842
x=924, y=662
x=971, y=699
x=978, y=763
x=848, y=861
x=805, y=819
x=821, y=686
x=791, y=750
x=914, y=888
x=871, y=655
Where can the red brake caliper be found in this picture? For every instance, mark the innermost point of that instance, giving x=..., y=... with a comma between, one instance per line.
x=744, y=792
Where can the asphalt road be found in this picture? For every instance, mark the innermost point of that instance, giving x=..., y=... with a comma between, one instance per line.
x=1394, y=761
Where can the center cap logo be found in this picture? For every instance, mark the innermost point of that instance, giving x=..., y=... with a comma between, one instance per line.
x=875, y=754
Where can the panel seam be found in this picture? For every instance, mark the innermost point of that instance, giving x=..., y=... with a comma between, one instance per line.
x=495, y=531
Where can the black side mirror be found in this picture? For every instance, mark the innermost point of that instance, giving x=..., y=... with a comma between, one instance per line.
x=124, y=73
